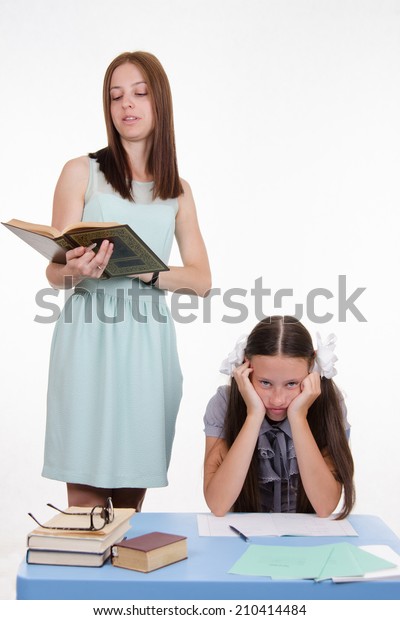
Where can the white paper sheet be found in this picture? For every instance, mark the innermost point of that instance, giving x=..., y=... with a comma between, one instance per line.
x=273, y=524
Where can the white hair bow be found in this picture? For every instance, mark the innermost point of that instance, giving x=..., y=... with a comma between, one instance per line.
x=325, y=358
x=235, y=357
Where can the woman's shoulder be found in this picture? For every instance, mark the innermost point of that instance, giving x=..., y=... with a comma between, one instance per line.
x=72, y=182
x=187, y=195
x=185, y=184
x=75, y=173
x=77, y=165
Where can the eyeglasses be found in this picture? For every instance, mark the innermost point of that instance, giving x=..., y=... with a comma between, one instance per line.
x=99, y=517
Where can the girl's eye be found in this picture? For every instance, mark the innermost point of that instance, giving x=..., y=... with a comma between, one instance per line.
x=292, y=384
x=115, y=98
x=141, y=94
x=265, y=383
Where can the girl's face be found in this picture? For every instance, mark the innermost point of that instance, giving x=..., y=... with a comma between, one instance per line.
x=277, y=380
x=131, y=106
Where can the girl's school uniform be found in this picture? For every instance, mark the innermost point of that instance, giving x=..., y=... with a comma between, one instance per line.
x=277, y=462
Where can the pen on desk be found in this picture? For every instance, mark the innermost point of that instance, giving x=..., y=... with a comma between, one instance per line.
x=239, y=533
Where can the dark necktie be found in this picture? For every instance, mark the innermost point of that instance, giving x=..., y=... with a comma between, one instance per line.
x=277, y=440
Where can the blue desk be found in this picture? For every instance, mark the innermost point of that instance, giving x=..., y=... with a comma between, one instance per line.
x=204, y=575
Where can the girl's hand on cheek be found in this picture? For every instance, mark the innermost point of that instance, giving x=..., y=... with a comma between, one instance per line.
x=310, y=390
x=254, y=404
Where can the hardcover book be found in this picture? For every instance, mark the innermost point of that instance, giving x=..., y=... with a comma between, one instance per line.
x=77, y=541
x=131, y=255
x=66, y=558
x=149, y=552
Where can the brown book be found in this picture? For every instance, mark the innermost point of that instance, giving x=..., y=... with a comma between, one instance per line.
x=149, y=552
x=131, y=255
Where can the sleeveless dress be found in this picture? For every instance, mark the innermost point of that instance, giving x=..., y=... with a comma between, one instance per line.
x=115, y=382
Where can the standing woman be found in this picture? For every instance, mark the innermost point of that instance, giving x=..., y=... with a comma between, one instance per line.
x=115, y=382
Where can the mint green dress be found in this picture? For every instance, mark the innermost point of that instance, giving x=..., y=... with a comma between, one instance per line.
x=115, y=382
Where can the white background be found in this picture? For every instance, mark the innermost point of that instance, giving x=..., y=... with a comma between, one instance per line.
x=287, y=125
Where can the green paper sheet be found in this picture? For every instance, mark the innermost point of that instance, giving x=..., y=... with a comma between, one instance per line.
x=315, y=562
x=282, y=562
x=348, y=560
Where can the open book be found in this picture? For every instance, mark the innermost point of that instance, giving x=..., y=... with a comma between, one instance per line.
x=131, y=255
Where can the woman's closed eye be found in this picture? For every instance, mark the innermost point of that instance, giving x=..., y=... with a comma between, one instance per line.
x=118, y=97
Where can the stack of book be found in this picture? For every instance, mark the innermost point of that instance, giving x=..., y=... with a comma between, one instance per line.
x=76, y=548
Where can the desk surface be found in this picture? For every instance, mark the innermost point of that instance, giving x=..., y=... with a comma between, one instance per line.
x=204, y=575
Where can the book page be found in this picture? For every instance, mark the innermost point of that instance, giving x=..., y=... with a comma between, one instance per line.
x=41, y=229
x=88, y=225
x=273, y=524
x=52, y=232
x=294, y=524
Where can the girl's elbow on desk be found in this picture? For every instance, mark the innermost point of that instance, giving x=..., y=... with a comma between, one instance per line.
x=218, y=511
x=323, y=513
x=326, y=509
x=216, y=506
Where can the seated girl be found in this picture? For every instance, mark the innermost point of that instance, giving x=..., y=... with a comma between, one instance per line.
x=277, y=436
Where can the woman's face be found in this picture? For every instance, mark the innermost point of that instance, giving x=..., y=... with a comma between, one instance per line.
x=130, y=103
x=277, y=380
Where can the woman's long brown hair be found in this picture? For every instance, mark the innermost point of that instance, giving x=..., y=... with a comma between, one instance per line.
x=285, y=335
x=162, y=163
